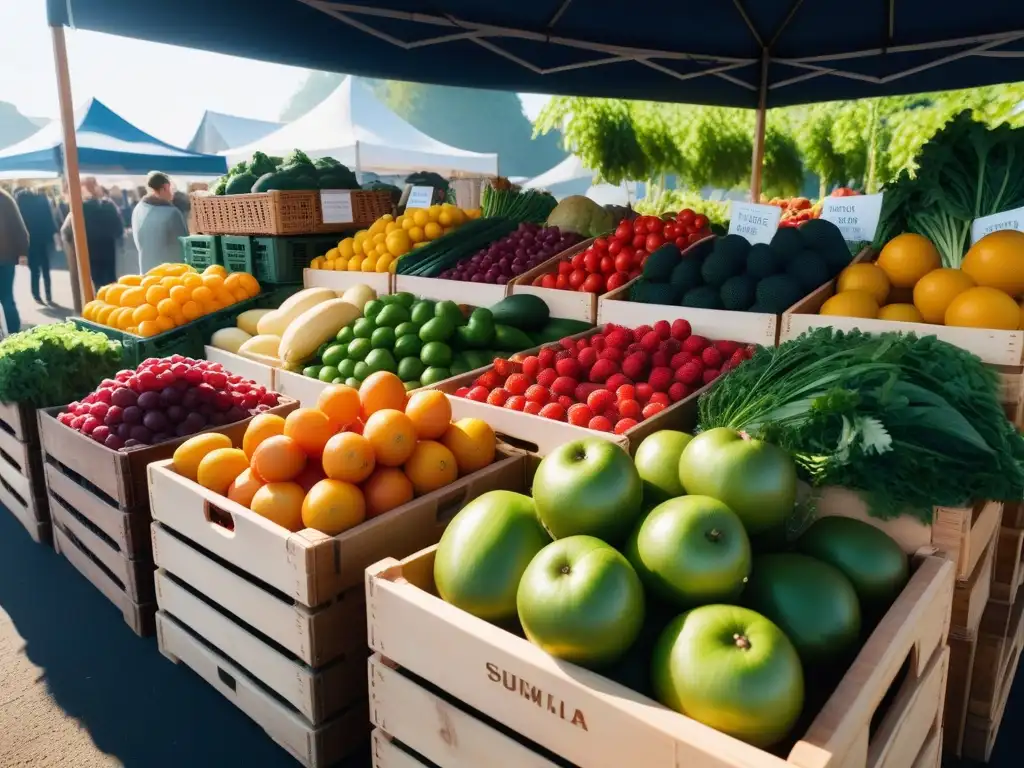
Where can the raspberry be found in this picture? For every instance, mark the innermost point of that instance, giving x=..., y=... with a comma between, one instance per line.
x=563, y=385
x=640, y=331
x=694, y=344
x=516, y=403
x=563, y=354
x=650, y=341
x=497, y=397
x=546, y=357
x=663, y=329
x=584, y=390
x=660, y=397
x=689, y=373
x=489, y=380
x=670, y=346
x=737, y=357
x=579, y=414
x=617, y=338
x=678, y=391
x=626, y=392
x=660, y=379
x=616, y=380
x=643, y=391
x=679, y=359
x=623, y=425
x=553, y=411
x=612, y=327
x=517, y=383
x=531, y=366
x=565, y=401
x=635, y=366
x=587, y=357
x=660, y=359
x=506, y=367
x=681, y=329
x=727, y=348
x=600, y=424
x=568, y=367
x=710, y=375
x=479, y=394
x=538, y=393
x=614, y=354
x=712, y=357
x=602, y=370
x=547, y=377
x=567, y=342
x=532, y=407
x=598, y=342
x=629, y=409
x=462, y=392
x=600, y=400
x=582, y=344
x=652, y=408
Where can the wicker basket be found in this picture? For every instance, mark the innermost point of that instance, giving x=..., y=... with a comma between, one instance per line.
x=281, y=213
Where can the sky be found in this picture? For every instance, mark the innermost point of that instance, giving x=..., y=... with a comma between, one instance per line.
x=162, y=89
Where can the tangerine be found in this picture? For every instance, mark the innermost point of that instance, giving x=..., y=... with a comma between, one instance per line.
x=280, y=503
x=385, y=489
x=179, y=294
x=278, y=459
x=188, y=455
x=310, y=428
x=262, y=426
x=379, y=391
x=348, y=457
x=219, y=468
x=431, y=413
x=392, y=436
x=216, y=269
x=144, y=312
x=430, y=467
x=934, y=292
x=244, y=487
x=984, y=307
x=472, y=442
x=340, y=403
x=333, y=506
x=133, y=297
x=310, y=476
x=907, y=258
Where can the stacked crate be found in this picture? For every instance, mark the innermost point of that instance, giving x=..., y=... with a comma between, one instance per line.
x=22, y=488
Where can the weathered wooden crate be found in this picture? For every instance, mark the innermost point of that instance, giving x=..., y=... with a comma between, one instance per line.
x=994, y=656
x=22, y=487
x=971, y=596
x=980, y=732
x=960, y=534
x=313, y=747
x=386, y=753
x=958, y=690
x=1009, y=568
x=1013, y=514
x=588, y=720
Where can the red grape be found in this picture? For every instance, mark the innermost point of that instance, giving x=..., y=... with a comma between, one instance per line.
x=155, y=421
x=113, y=442
x=141, y=434
x=216, y=379
x=206, y=393
x=90, y=423
x=132, y=415
x=101, y=433
x=123, y=397
x=149, y=400
x=175, y=414
x=114, y=415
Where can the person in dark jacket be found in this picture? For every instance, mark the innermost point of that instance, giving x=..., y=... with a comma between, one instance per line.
x=38, y=217
x=13, y=245
x=103, y=230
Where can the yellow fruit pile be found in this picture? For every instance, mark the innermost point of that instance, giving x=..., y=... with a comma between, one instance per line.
x=388, y=239
x=167, y=296
x=909, y=284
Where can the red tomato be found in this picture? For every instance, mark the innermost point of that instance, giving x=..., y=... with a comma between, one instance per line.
x=624, y=231
x=576, y=278
x=654, y=224
x=700, y=221
x=549, y=281
x=695, y=237
x=592, y=261
x=607, y=265
x=593, y=284
x=614, y=247
x=564, y=267
x=577, y=260
x=601, y=244
x=623, y=262
x=538, y=281
x=642, y=259
x=639, y=257
x=654, y=242
x=681, y=242
x=639, y=240
x=685, y=216
x=670, y=231
x=634, y=273
x=562, y=282
x=617, y=280
x=628, y=250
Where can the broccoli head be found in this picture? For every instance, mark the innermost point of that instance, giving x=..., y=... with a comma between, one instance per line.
x=238, y=168
x=297, y=157
x=327, y=162
x=260, y=164
x=220, y=186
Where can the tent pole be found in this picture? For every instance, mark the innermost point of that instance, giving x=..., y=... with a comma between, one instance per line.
x=67, y=119
x=760, y=118
x=359, y=171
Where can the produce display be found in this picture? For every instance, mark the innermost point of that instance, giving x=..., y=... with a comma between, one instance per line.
x=380, y=247
x=166, y=297
x=653, y=572
x=609, y=381
x=909, y=284
x=909, y=422
x=527, y=247
x=446, y=252
x=164, y=399
x=502, y=199
x=424, y=341
x=581, y=215
x=53, y=364
x=293, y=172
x=614, y=260
x=357, y=455
x=730, y=273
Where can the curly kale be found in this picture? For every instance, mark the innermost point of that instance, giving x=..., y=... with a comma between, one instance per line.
x=220, y=187
x=297, y=157
x=260, y=164
x=238, y=168
x=323, y=163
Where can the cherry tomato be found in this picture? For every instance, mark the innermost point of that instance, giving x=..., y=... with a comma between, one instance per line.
x=624, y=231
x=685, y=216
x=614, y=247
x=628, y=250
x=593, y=284
x=623, y=262
x=577, y=260
x=607, y=265
x=562, y=282
x=654, y=242
x=643, y=259
x=592, y=261
x=601, y=244
x=538, y=281
x=617, y=280
x=695, y=237
x=549, y=281
x=654, y=224
x=639, y=257
x=700, y=220
x=634, y=273
x=576, y=278
x=681, y=242
x=670, y=231
x=639, y=240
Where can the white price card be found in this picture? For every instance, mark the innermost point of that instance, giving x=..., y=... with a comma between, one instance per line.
x=337, y=206
x=757, y=223
x=856, y=216
x=986, y=225
x=420, y=197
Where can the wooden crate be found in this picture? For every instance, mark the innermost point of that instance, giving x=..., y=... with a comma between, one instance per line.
x=958, y=690
x=591, y=721
x=994, y=656
x=314, y=747
x=281, y=212
x=386, y=753
x=930, y=755
x=1013, y=514
x=459, y=291
x=970, y=597
x=22, y=487
x=262, y=374
x=958, y=533
x=1009, y=568
x=573, y=305
x=342, y=281
x=980, y=733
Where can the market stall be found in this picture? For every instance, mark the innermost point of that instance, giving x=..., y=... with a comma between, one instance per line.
x=218, y=132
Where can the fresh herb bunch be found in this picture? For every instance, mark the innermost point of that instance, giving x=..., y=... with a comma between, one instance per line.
x=55, y=364
x=909, y=422
x=507, y=201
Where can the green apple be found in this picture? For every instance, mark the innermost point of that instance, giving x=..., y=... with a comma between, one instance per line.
x=657, y=461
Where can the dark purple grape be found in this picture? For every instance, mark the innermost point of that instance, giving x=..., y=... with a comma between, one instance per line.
x=183, y=430
x=114, y=442
x=170, y=396
x=175, y=414
x=518, y=269
x=502, y=279
x=141, y=434
x=123, y=397
x=131, y=443
x=195, y=420
x=477, y=278
x=149, y=400
x=132, y=415
x=155, y=421
x=218, y=419
x=160, y=437
x=190, y=400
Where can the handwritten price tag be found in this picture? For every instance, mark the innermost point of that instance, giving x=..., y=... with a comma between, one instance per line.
x=420, y=197
x=986, y=225
x=757, y=223
x=337, y=206
x=856, y=216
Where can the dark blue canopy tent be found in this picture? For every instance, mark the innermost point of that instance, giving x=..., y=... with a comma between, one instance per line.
x=218, y=132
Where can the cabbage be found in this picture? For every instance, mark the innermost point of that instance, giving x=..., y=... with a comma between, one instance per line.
x=581, y=215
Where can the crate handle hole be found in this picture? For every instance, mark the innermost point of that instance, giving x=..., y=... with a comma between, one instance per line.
x=518, y=442
x=226, y=678
x=220, y=519
x=448, y=508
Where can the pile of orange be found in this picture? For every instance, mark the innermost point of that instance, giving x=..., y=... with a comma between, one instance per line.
x=167, y=296
x=358, y=454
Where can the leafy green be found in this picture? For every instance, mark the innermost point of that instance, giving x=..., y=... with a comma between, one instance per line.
x=238, y=168
x=260, y=164
x=909, y=422
x=511, y=202
x=55, y=364
x=297, y=156
x=323, y=163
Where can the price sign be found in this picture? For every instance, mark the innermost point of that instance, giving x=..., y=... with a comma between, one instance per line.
x=986, y=225
x=420, y=197
x=337, y=206
x=757, y=223
x=856, y=216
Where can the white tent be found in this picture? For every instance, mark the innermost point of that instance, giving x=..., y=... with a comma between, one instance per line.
x=571, y=177
x=356, y=129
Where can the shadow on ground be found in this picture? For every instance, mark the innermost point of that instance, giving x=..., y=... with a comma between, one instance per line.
x=136, y=705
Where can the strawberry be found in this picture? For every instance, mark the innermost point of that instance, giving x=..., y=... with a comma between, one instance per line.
x=565, y=401
x=737, y=357
x=497, y=397
x=660, y=359
x=650, y=341
x=727, y=348
x=462, y=391
x=584, y=390
x=547, y=377
x=563, y=385
x=681, y=329
x=568, y=367
x=546, y=357
x=689, y=373
x=567, y=342
x=616, y=380
x=629, y=409
x=626, y=392
x=679, y=359
x=663, y=329
x=538, y=393
x=553, y=411
x=479, y=394
x=489, y=380
x=598, y=342
x=563, y=354
x=640, y=331
x=602, y=370
x=643, y=391
x=617, y=338
x=678, y=391
x=670, y=346
x=712, y=357
x=518, y=383
x=710, y=375
x=660, y=397
x=532, y=407
x=652, y=408
x=582, y=344
x=516, y=403
x=600, y=424
x=660, y=379
x=612, y=353
x=506, y=368
x=587, y=357
x=694, y=344
x=579, y=414
x=531, y=366
x=600, y=400
x=623, y=425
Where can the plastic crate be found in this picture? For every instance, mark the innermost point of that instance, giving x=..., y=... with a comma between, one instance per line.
x=274, y=260
x=236, y=252
x=200, y=251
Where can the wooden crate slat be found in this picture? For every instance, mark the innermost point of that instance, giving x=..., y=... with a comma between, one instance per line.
x=931, y=753
x=19, y=419
x=970, y=597
x=16, y=465
x=980, y=733
x=1009, y=569
x=386, y=754
x=958, y=689
x=994, y=655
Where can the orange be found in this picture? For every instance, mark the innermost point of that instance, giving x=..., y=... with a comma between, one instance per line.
x=179, y=294
x=202, y=295
x=903, y=313
x=114, y=292
x=213, y=282
x=386, y=489
x=249, y=283
x=130, y=280
x=472, y=442
x=133, y=297
x=907, y=258
x=188, y=455
x=244, y=487
x=168, y=308
x=157, y=293
x=190, y=310
x=224, y=297
x=280, y=503
x=239, y=294
x=216, y=269
x=149, y=280
x=191, y=280
x=340, y=403
x=934, y=292
x=149, y=328
x=348, y=457
x=865, y=277
x=165, y=323
x=851, y=304
x=984, y=307
x=997, y=261
x=310, y=429
x=392, y=436
x=430, y=467
x=379, y=391
x=219, y=468
x=431, y=413
x=278, y=459
x=262, y=426
x=310, y=476
x=104, y=313
x=333, y=506
x=232, y=281
x=144, y=312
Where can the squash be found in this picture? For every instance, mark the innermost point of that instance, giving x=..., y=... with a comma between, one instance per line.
x=267, y=360
x=229, y=339
x=265, y=344
x=315, y=326
x=248, y=320
x=358, y=295
x=276, y=323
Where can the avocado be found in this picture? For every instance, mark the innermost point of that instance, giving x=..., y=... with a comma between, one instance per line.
x=392, y=316
x=734, y=245
x=269, y=182
x=450, y=311
x=659, y=265
x=437, y=329
x=345, y=335
x=312, y=371
x=346, y=368
x=433, y=375
x=407, y=346
x=702, y=297
x=787, y=242
x=686, y=275
x=478, y=333
x=777, y=293
x=403, y=298
x=459, y=366
x=436, y=354
x=359, y=348
x=558, y=328
x=477, y=359
x=764, y=260
x=524, y=311
x=822, y=236
x=646, y=292
x=406, y=329
x=373, y=307
x=241, y=184
x=809, y=270
x=363, y=328
x=723, y=264
x=383, y=337
x=381, y=360
x=511, y=339
x=362, y=370
x=420, y=312
x=737, y=293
